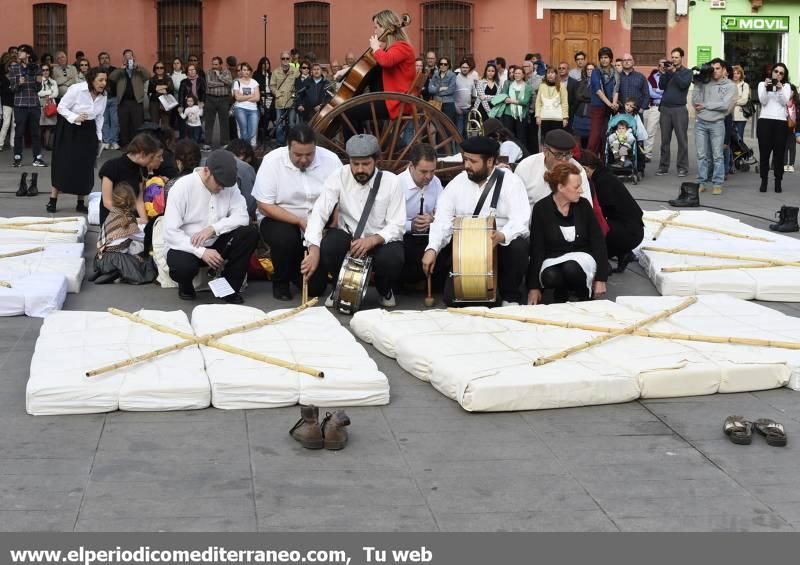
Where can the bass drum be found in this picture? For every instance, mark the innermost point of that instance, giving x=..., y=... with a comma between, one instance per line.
x=474, y=260
x=351, y=287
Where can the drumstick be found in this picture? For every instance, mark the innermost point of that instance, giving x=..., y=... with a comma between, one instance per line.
x=304, y=294
x=429, y=298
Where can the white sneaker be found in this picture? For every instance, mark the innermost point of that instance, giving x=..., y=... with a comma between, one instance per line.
x=106, y=146
x=114, y=146
x=387, y=301
x=329, y=301
x=506, y=303
x=789, y=168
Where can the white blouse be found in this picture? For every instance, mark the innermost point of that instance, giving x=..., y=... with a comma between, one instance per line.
x=773, y=104
x=77, y=100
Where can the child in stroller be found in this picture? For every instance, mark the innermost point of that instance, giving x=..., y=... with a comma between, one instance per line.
x=621, y=143
x=622, y=151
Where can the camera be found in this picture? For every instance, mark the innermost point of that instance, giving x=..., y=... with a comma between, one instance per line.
x=667, y=64
x=770, y=85
x=703, y=74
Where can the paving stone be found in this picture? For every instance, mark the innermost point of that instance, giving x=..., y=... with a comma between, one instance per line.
x=348, y=517
x=553, y=520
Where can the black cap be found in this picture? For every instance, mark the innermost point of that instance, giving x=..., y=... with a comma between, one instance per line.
x=222, y=166
x=559, y=139
x=481, y=145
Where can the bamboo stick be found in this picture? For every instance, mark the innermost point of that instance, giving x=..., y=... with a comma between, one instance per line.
x=42, y=222
x=5, y=284
x=260, y=323
x=616, y=333
x=691, y=253
x=304, y=294
x=639, y=332
x=21, y=252
x=34, y=228
x=155, y=325
x=663, y=226
x=266, y=359
x=141, y=358
x=704, y=228
x=692, y=268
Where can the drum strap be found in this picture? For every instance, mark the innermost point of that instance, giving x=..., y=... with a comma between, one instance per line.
x=497, y=177
x=373, y=192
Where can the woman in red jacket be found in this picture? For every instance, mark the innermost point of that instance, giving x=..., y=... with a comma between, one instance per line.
x=395, y=57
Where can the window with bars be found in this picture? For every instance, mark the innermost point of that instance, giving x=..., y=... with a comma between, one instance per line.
x=49, y=28
x=447, y=29
x=180, y=29
x=648, y=36
x=312, y=30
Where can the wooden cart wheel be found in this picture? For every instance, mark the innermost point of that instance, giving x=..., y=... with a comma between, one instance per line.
x=420, y=122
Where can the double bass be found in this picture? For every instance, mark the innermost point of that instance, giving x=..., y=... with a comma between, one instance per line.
x=356, y=78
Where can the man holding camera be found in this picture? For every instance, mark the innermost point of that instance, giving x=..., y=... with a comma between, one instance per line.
x=129, y=81
x=675, y=82
x=713, y=98
x=25, y=79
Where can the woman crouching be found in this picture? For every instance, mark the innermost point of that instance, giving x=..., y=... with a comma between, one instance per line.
x=568, y=251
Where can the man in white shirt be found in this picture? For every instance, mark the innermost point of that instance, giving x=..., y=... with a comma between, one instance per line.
x=558, y=145
x=206, y=222
x=422, y=189
x=512, y=215
x=287, y=185
x=382, y=237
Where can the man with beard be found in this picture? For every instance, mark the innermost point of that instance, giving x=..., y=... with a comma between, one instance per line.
x=352, y=188
x=505, y=199
x=288, y=183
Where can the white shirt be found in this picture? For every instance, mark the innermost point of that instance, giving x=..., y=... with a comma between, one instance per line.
x=279, y=182
x=191, y=207
x=246, y=87
x=413, y=193
x=177, y=78
x=512, y=215
x=773, y=104
x=531, y=171
x=192, y=116
x=386, y=219
x=77, y=100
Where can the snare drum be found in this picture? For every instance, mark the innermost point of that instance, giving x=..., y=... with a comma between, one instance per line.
x=474, y=260
x=351, y=287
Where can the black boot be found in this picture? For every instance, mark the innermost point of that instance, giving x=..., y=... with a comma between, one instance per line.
x=787, y=219
x=23, y=189
x=778, y=187
x=51, y=205
x=81, y=207
x=33, y=189
x=688, y=197
x=763, y=187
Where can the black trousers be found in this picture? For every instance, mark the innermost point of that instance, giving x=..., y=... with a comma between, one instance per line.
x=387, y=262
x=548, y=126
x=26, y=119
x=564, y=278
x=772, y=137
x=286, y=249
x=131, y=118
x=532, y=141
x=183, y=266
x=512, y=265
x=414, y=248
x=518, y=127
x=622, y=238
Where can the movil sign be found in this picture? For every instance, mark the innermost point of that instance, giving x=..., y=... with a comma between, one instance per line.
x=778, y=24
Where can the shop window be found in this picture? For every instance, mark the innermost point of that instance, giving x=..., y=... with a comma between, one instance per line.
x=180, y=29
x=312, y=30
x=49, y=28
x=648, y=36
x=447, y=29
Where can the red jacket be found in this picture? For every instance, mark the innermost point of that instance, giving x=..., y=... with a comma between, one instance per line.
x=398, y=63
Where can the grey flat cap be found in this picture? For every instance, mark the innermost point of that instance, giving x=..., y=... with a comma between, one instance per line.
x=362, y=145
x=222, y=165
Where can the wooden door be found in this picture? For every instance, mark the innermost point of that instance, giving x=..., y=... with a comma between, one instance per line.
x=572, y=31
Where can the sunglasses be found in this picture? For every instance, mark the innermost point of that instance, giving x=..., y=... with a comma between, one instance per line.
x=780, y=72
x=561, y=155
x=84, y=64
x=303, y=68
x=443, y=64
x=159, y=66
x=286, y=58
x=45, y=69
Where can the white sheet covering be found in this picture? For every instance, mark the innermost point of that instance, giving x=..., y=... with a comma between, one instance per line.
x=93, y=203
x=486, y=365
x=772, y=284
x=71, y=343
x=75, y=226
x=64, y=258
x=33, y=295
x=313, y=338
x=200, y=281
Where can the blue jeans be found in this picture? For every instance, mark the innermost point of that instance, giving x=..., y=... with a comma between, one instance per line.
x=280, y=130
x=247, y=120
x=712, y=133
x=111, y=121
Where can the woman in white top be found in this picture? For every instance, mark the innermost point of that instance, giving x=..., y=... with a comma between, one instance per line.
x=774, y=94
x=177, y=73
x=79, y=133
x=247, y=94
x=48, y=92
x=743, y=92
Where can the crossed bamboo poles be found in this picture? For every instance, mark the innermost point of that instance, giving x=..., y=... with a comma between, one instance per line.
x=636, y=329
x=7, y=284
x=210, y=340
x=670, y=221
x=34, y=225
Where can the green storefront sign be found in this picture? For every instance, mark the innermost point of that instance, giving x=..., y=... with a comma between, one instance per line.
x=755, y=23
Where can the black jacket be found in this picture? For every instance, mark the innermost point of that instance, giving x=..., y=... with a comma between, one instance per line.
x=185, y=89
x=617, y=203
x=547, y=241
x=315, y=94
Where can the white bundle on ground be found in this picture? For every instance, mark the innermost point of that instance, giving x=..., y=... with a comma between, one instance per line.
x=160, y=257
x=93, y=203
x=773, y=283
x=490, y=368
x=313, y=338
x=35, y=229
x=64, y=258
x=72, y=343
x=33, y=295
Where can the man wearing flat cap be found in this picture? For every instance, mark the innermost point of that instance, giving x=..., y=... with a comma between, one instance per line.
x=505, y=199
x=558, y=145
x=206, y=223
x=382, y=236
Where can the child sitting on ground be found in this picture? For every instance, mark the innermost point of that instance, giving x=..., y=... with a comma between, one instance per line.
x=192, y=114
x=621, y=143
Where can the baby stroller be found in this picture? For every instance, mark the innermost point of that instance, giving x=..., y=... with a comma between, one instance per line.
x=631, y=170
x=743, y=156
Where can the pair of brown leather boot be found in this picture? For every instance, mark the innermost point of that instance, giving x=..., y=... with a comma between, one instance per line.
x=330, y=434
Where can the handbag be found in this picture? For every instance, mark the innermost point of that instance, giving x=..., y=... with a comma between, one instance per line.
x=436, y=104
x=50, y=108
x=748, y=109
